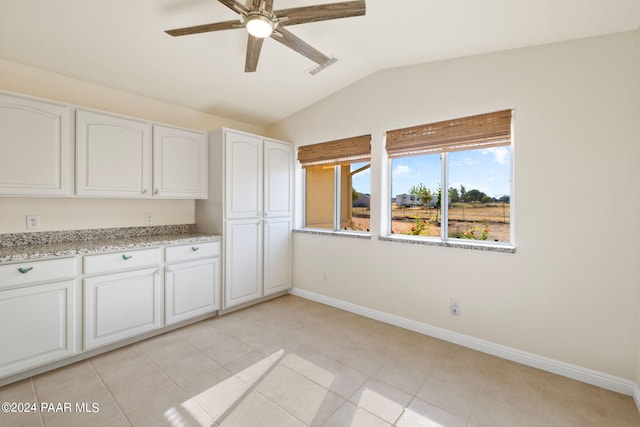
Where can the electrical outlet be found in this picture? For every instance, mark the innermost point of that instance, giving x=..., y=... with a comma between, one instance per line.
x=33, y=222
x=148, y=219
x=325, y=276
x=455, y=306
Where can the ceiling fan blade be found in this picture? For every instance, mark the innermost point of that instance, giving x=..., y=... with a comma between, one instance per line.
x=235, y=6
x=321, y=12
x=268, y=6
x=254, y=46
x=204, y=28
x=297, y=44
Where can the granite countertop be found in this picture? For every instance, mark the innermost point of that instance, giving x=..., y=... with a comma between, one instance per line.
x=30, y=246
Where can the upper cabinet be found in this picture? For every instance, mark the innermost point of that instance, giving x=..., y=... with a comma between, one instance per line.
x=123, y=157
x=113, y=156
x=179, y=163
x=278, y=179
x=35, y=147
x=243, y=160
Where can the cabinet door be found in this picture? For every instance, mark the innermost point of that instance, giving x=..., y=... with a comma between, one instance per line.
x=37, y=325
x=191, y=289
x=243, y=261
x=35, y=148
x=118, y=306
x=243, y=175
x=277, y=255
x=113, y=156
x=278, y=178
x=179, y=163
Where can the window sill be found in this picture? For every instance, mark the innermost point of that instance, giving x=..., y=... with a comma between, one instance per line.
x=461, y=245
x=349, y=234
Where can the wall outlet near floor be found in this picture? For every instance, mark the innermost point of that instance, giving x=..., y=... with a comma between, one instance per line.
x=33, y=222
x=455, y=306
x=325, y=276
x=148, y=219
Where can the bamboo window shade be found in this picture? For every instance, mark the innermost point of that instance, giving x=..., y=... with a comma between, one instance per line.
x=341, y=151
x=467, y=133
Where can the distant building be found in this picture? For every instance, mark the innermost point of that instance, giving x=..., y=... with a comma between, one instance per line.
x=410, y=200
x=407, y=200
x=363, y=201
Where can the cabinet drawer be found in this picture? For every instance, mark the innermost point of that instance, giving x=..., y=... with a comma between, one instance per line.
x=122, y=260
x=192, y=251
x=28, y=272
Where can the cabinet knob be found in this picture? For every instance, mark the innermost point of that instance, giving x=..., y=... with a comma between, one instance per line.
x=155, y=192
x=195, y=248
x=144, y=191
x=24, y=270
x=126, y=257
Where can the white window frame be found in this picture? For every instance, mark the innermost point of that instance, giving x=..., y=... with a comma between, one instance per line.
x=336, y=205
x=444, y=238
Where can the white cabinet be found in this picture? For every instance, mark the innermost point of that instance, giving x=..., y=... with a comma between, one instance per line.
x=38, y=315
x=243, y=175
x=192, y=286
x=113, y=155
x=36, y=153
x=125, y=302
x=121, y=305
x=277, y=254
x=179, y=163
x=243, y=261
x=123, y=157
x=278, y=179
x=251, y=184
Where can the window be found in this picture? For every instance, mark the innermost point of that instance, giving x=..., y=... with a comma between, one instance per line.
x=337, y=184
x=451, y=180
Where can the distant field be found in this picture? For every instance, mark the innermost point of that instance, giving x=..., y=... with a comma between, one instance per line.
x=461, y=218
x=461, y=212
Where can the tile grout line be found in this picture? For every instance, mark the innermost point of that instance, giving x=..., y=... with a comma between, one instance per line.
x=35, y=394
x=606, y=407
x=95, y=371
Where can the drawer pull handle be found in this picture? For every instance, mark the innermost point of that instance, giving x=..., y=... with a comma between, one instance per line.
x=25, y=270
x=126, y=257
x=195, y=248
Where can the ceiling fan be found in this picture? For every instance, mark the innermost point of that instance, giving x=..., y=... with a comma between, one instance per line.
x=261, y=21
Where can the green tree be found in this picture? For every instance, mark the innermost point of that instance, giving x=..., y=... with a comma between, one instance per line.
x=454, y=196
x=422, y=192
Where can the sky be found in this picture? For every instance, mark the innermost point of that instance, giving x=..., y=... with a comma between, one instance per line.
x=487, y=170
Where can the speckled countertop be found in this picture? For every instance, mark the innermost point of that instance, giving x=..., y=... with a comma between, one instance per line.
x=29, y=246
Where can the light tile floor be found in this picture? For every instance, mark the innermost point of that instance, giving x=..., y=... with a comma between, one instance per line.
x=292, y=362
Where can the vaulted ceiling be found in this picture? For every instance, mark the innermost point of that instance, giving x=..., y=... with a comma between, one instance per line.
x=122, y=44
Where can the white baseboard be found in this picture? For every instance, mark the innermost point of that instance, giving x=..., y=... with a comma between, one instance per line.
x=589, y=376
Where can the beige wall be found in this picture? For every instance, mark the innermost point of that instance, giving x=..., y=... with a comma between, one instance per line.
x=570, y=291
x=637, y=183
x=69, y=213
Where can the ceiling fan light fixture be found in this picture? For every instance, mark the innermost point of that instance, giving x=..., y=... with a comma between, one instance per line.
x=259, y=26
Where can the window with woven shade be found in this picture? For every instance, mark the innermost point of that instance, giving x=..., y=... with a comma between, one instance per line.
x=337, y=184
x=452, y=180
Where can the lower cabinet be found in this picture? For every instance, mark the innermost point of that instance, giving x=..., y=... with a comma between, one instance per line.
x=257, y=259
x=243, y=261
x=37, y=325
x=121, y=305
x=191, y=289
x=277, y=255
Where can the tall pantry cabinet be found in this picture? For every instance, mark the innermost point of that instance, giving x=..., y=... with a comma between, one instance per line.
x=250, y=204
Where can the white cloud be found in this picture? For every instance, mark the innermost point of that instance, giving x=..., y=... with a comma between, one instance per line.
x=500, y=154
x=402, y=171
